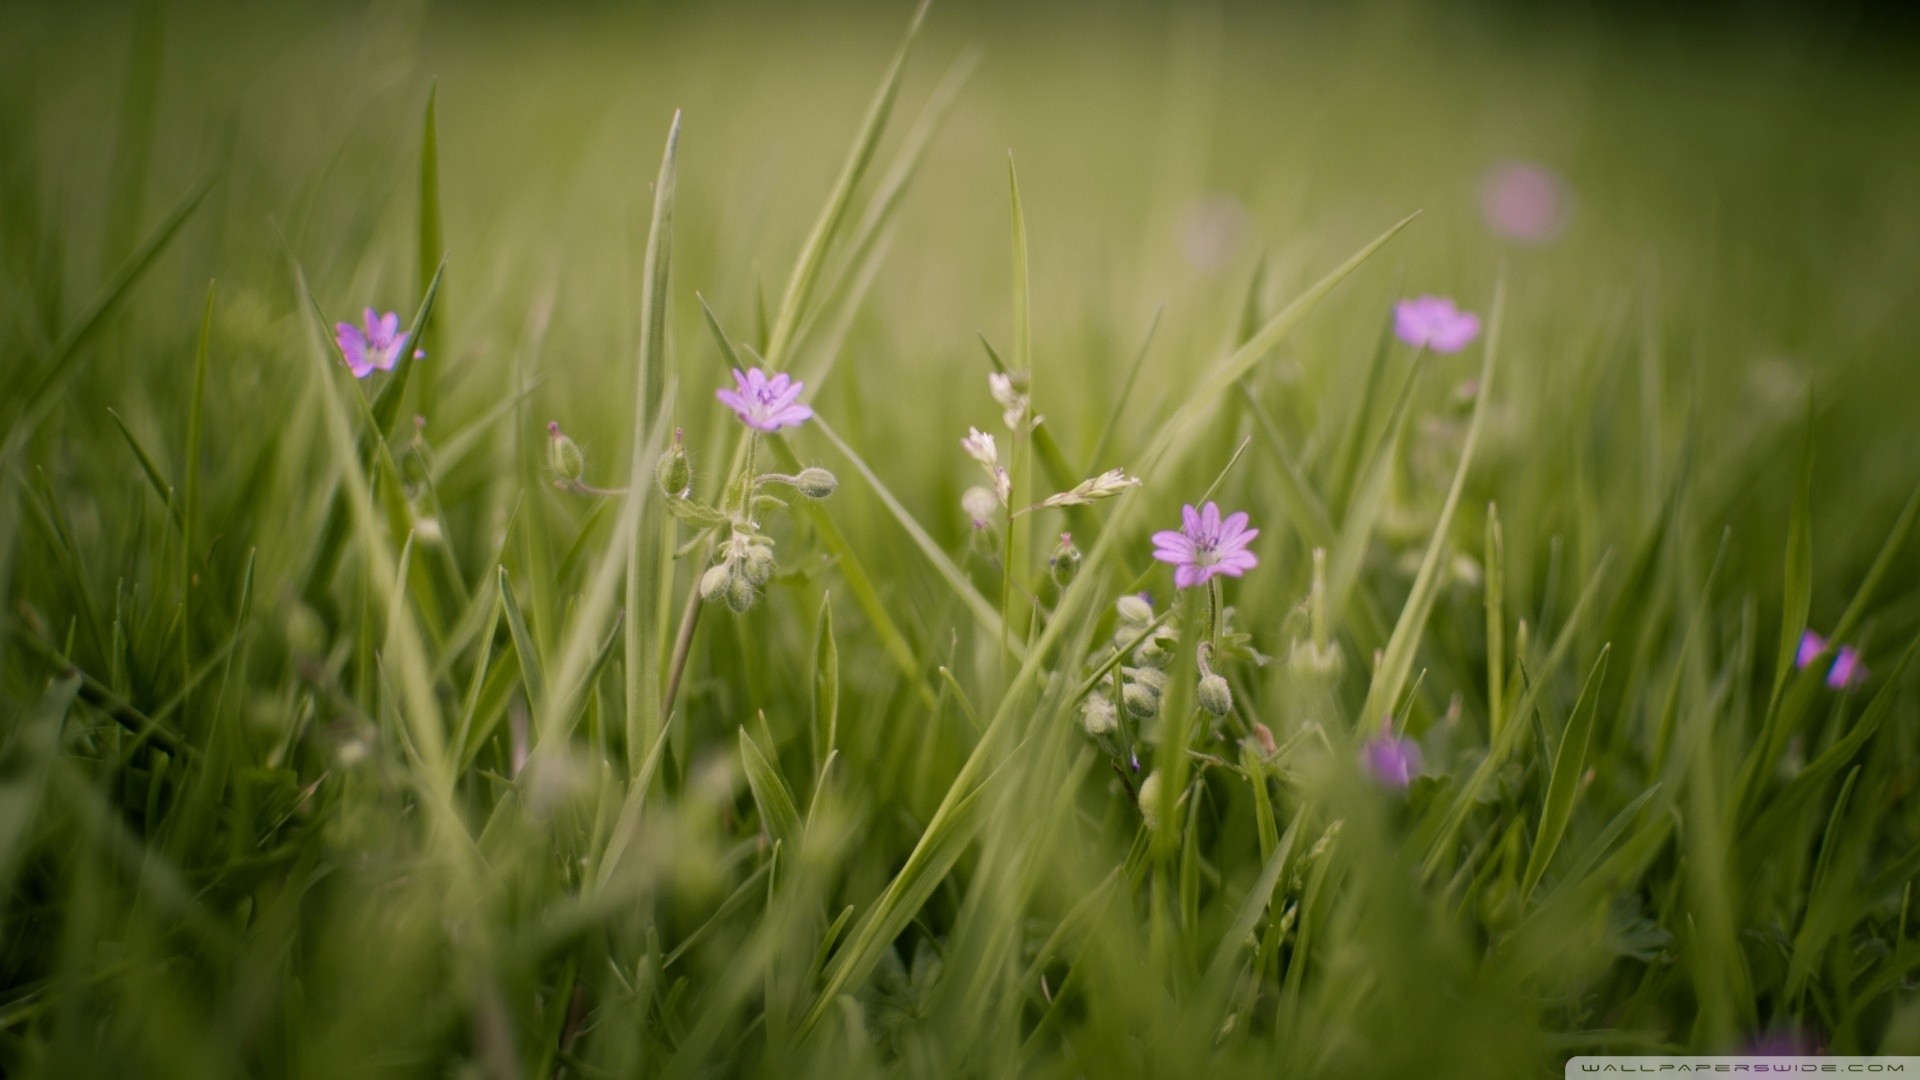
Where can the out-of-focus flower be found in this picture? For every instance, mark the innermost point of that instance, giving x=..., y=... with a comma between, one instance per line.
x=374, y=345
x=1206, y=545
x=1391, y=760
x=979, y=504
x=980, y=447
x=1524, y=201
x=1780, y=1042
x=766, y=404
x=1434, y=322
x=1211, y=230
x=1847, y=669
x=1811, y=646
x=1010, y=393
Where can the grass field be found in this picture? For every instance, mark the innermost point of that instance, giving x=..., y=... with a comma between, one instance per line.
x=362, y=727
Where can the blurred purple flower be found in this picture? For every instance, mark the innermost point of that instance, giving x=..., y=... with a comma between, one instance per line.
x=1392, y=760
x=1206, y=545
x=1811, y=646
x=375, y=345
x=763, y=403
x=1780, y=1042
x=1524, y=201
x=1847, y=669
x=1434, y=322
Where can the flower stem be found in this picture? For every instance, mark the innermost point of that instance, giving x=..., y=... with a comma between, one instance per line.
x=683, y=642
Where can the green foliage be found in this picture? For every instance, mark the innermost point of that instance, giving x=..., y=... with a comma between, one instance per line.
x=336, y=738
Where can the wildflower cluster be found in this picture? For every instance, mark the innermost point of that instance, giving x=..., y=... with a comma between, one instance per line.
x=984, y=503
x=1131, y=677
x=743, y=554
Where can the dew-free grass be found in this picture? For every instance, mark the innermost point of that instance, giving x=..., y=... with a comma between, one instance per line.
x=477, y=693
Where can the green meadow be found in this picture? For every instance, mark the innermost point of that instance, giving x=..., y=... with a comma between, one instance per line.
x=481, y=696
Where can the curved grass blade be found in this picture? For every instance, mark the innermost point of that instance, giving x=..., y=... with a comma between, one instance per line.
x=806, y=268
x=1568, y=765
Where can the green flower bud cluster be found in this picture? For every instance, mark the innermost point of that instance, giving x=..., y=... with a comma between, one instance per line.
x=745, y=561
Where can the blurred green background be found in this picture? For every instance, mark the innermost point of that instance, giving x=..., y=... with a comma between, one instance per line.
x=1741, y=255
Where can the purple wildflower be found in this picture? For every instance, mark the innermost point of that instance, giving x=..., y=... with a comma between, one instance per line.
x=1434, y=322
x=1811, y=646
x=1780, y=1042
x=1524, y=201
x=1206, y=545
x=374, y=345
x=767, y=404
x=1392, y=760
x=1847, y=669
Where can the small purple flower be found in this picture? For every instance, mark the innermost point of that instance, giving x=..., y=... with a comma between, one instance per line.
x=1392, y=760
x=1811, y=646
x=763, y=403
x=1780, y=1042
x=1434, y=322
x=1847, y=669
x=374, y=345
x=1206, y=545
x=1524, y=201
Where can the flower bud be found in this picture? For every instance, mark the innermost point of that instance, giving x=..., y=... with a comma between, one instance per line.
x=1097, y=715
x=1215, y=696
x=673, y=472
x=713, y=583
x=1152, y=678
x=1141, y=701
x=1150, y=800
x=563, y=456
x=739, y=592
x=1134, y=610
x=1065, y=561
x=758, y=564
x=816, y=483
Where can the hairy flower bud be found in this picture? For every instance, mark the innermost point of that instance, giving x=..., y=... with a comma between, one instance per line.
x=563, y=456
x=1097, y=715
x=1152, y=678
x=1065, y=561
x=713, y=583
x=1134, y=610
x=816, y=483
x=1150, y=800
x=757, y=565
x=1215, y=696
x=1141, y=701
x=739, y=592
x=673, y=472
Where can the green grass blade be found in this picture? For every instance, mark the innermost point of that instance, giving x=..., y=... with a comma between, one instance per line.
x=1569, y=765
x=1391, y=675
x=827, y=227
